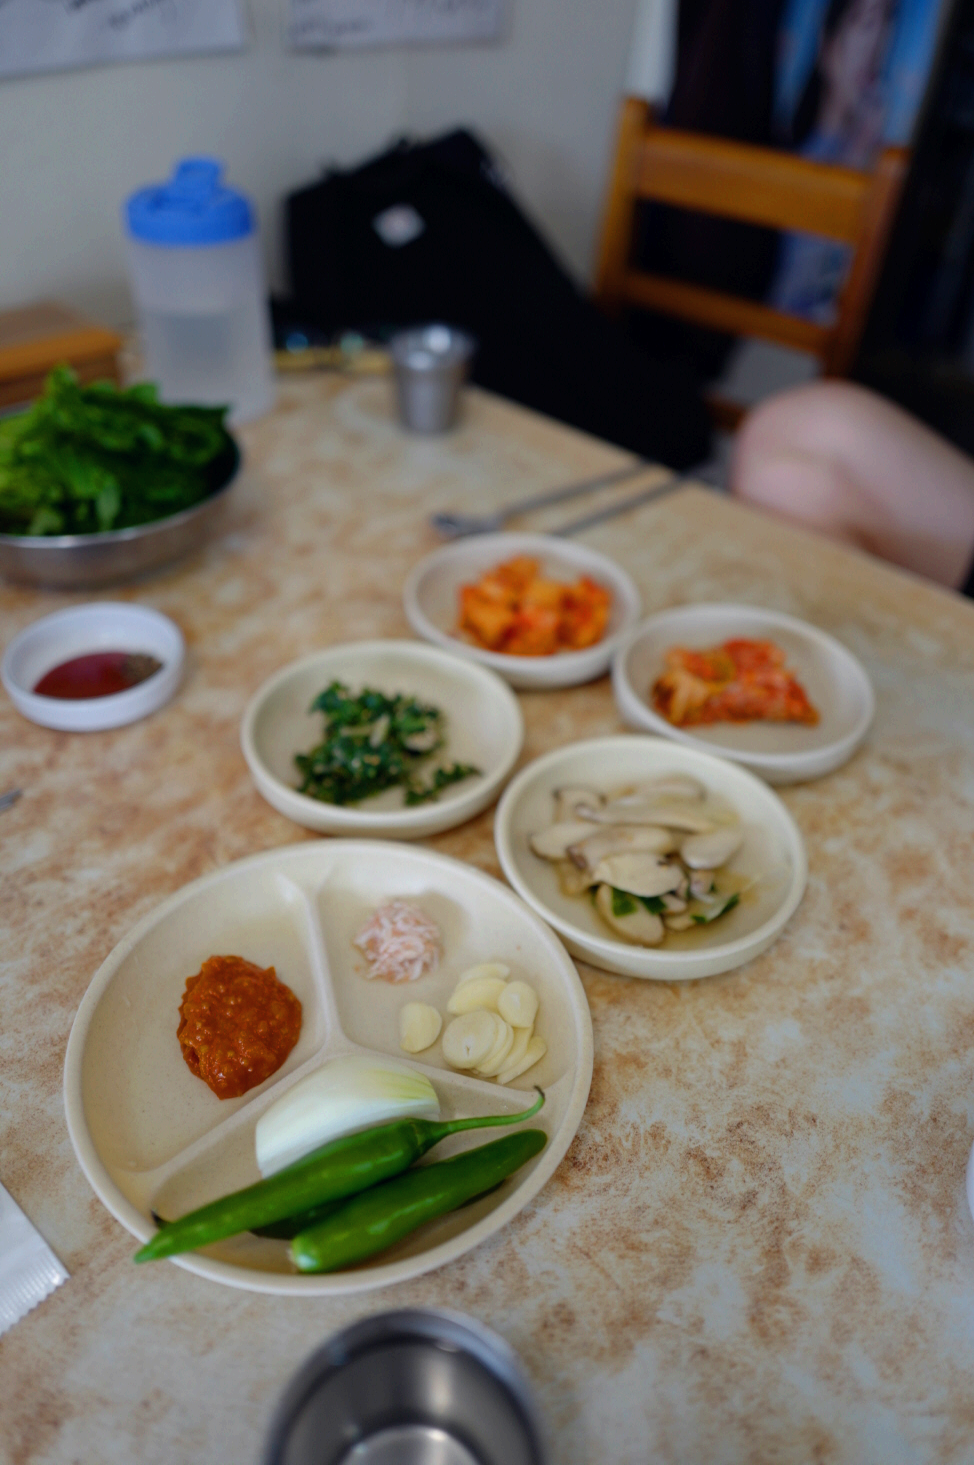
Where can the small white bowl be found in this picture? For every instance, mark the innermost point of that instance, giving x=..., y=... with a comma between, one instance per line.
x=432, y=599
x=484, y=726
x=79, y=631
x=772, y=852
x=836, y=683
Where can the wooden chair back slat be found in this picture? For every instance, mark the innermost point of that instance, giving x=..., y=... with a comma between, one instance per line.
x=720, y=312
x=757, y=185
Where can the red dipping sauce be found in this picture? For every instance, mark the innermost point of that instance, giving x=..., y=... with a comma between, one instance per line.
x=100, y=674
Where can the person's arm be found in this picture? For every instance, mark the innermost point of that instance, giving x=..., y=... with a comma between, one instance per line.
x=850, y=464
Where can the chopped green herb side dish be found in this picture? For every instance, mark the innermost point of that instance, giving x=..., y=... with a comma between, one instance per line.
x=374, y=742
x=84, y=460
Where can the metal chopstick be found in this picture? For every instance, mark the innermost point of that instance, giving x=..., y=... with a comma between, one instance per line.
x=574, y=490
x=660, y=490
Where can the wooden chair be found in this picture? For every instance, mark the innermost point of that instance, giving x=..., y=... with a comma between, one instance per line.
x=760, y=186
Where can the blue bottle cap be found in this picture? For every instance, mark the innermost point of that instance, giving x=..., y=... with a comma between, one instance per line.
x=192, y=208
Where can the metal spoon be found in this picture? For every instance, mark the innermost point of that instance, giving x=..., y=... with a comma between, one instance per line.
x=456, y=526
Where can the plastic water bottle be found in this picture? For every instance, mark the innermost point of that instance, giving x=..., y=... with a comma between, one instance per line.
x=195, y=265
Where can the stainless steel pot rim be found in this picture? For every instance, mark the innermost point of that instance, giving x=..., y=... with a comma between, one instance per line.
x=445, y=1329
x=134, y=532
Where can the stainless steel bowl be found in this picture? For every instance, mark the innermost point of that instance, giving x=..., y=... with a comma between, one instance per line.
x=78, y=561
x=414, y=1387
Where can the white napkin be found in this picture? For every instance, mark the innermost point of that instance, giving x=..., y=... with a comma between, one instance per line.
x=29, y=1270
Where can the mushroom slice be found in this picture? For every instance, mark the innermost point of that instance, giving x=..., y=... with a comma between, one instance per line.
x=572, y=880
x=628, y=917
x=637, y=809
x=674, y=905
x=638, y=874
x=569, y=800
x=618, y=839
x=717, y=906
x=710, y=851
x=702, y=885
x=671, y=786
x=552, y=843
x=679, y=922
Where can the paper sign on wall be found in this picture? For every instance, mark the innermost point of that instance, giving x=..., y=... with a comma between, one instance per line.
x=51, y=35
x=337, y=24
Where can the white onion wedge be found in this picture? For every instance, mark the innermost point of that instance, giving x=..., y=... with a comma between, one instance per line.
x=344, y=1095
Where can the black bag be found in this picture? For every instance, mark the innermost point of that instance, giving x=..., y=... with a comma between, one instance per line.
x=458, y=249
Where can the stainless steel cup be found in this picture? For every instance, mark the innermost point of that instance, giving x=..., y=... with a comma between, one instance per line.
x=430, y=365
x=415, y=1387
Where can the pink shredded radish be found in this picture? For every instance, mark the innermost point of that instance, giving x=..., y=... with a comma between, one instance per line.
x=400, y=942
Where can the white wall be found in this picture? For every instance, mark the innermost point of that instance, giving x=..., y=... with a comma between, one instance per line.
x=75, y=144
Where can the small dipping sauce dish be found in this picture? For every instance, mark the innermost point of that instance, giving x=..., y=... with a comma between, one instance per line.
x=148, y=641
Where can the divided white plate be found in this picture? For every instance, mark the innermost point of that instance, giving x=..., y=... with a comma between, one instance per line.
x=773, y=855
x=836, y=683
x=484, y=727
x=150, y=1135
x=432, y=599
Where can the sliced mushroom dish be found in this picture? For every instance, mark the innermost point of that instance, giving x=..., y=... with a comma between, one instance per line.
x=652, y=857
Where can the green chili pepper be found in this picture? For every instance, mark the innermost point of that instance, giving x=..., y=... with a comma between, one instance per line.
x=336, y=1170
x=374, y=1220
x=291, y=1225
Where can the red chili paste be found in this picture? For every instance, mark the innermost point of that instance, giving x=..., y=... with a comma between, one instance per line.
x=100, y=674
x=237, y=1024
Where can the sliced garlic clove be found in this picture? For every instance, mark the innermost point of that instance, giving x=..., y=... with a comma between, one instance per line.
x=468, y=1039
x=478, y=992
x=497, y=1057
x=484, y=969
x=535, y=1051
x=419, y=1026
x=522, y=1037
x=518, y=1004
